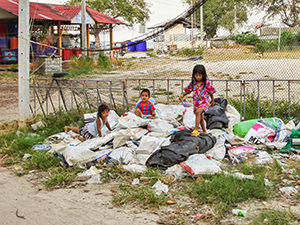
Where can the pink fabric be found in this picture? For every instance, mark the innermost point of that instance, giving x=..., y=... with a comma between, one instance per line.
x=201, y=94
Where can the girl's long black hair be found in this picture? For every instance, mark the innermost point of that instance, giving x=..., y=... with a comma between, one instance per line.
x=101, y=108
x=199, y=69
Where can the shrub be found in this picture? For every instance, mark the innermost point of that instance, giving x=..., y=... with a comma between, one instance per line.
x=246, y=39
x=103, y=61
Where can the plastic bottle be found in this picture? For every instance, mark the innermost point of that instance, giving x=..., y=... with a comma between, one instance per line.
x=239, y=212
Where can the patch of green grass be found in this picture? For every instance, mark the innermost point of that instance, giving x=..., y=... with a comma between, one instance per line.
x=271, y=217
x=151, y=54
x=191, y=52
x=141, y=194
x=116, y=172
x=266, y=107
x=41, y=161
x=80, y=66
x=228, y=190
x=60, y=176
x=8, y=76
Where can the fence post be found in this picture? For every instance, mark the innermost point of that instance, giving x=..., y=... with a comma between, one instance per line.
x=244, y=88
x=226, y=94
x=241, y=100
x=273, y=98
x=153, y=92
x=168, y=87
x=289, y=97
x=258, y=100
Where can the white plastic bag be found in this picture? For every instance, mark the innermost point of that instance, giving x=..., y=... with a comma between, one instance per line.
x=199, y=164
x=160, y=187
x=219, y=150
x=158, y=125
x=189, y=118
x=130, y=121
x=148, y=144
x=138, y=133
x=121, y=137
x=169, y=112
x=233, y=116
x=77, y=155
x=123, y=155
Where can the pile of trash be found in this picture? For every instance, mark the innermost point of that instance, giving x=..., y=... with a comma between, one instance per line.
x=165, y=142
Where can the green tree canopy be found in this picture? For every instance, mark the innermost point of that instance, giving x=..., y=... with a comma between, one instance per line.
x=289, y=10
x=221, y=13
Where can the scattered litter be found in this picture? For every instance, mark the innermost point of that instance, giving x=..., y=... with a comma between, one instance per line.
x=169, y=202
x=288, y=190
x=160, y=187
x=90, y=172
x=135, y=168
x=26, y=156
x=197, y=215
x=41, y=147
x=135, y=181
x=95, y=179
x=239, y=212
x=239, y=175
x=37, y=125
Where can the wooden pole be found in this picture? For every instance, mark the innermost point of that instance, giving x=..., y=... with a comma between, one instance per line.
x=88, y=39
x=111, y=38
x=59, y=39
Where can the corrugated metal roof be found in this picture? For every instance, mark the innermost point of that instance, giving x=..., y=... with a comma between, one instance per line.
x=69, y=11
x=37, y=10
x=42, y=11
x=102, y=18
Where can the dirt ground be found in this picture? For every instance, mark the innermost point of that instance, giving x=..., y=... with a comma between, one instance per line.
x=8, y=101
x=23, y=202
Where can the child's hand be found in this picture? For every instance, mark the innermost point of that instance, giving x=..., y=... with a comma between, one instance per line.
x=180, y=98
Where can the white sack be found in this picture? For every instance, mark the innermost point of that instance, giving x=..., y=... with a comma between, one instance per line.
x=189, y=118
x=148, y=144
x=121, y=137
x=77, y=155
x=131, y=121
x=141, y=159
x=169, y=112
x=198, y=164
x=158, y=125
x=233, y=116
x=138, y=133
x=219, y=150
x=124, y=155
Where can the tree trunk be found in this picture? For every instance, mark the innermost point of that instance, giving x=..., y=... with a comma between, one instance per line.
x=97, y=38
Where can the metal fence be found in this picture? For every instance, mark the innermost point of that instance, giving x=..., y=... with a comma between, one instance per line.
x=52, y=95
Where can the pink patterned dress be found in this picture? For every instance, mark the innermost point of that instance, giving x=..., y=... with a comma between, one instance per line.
x=201, y=94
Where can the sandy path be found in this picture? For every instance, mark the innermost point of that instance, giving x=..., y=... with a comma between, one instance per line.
x=84, y=205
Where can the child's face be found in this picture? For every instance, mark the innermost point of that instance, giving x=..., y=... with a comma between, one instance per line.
x=145, y=97
x=198, y=77
x=105, y=113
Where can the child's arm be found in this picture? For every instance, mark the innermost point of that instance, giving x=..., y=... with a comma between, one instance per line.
x=153, y=113
x=182, y=96
x=99, y=127
x=212, y=101
x=107, y=124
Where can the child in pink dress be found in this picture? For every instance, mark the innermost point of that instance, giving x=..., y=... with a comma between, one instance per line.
x=202, y=96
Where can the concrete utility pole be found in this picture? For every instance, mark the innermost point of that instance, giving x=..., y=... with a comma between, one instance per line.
x=201, y=26
x=83, y=28
x=23, y=60
x=192, y=27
